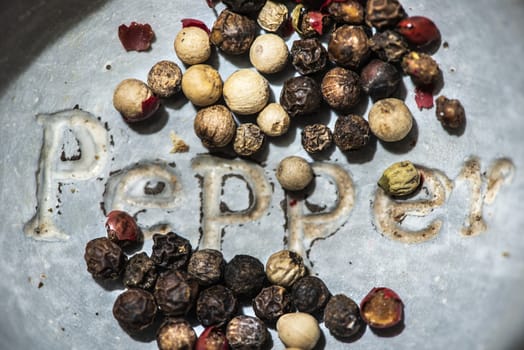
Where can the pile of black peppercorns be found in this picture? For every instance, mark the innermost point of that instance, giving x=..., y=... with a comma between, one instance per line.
x=176, y=284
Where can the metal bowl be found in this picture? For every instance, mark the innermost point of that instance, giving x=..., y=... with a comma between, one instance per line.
x=68, y=158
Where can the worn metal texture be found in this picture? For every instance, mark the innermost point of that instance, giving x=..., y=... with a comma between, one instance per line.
x=461, y=283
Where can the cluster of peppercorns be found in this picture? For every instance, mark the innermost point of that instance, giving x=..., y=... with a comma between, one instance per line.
x=176, y=283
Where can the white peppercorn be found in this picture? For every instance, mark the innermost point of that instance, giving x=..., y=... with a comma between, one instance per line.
x=269, y=53
x=390, y=119
x=192, y=45
x=246, y=92
x=202, y=85
x=272, y=16
x=134, y=100
x=294, y=173
x=284, y=268
x=273, y=120
x=298, y=330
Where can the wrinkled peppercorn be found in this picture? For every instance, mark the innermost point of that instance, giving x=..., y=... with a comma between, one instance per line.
x=233, y=33
x=248, y=140
x=122, y=229
x=342, y=316
x=351, y=132
x=212, y=338
x=421, y=67
x=215, y=306
x=244, y=6
x=140, y=272
x=389, y=46
x=383, y=14
x=104, y=259
x=346, y=12
x=206, y=266
x=380, y=79
x=312, y=23
x=308, y=56
x=271, y=303
x=341, y=88
x=285, y=267
x=381, y=308
x=450, y=112
x=135, y=310
x=272, y=16
x=246, y=332
x=176, y=334
x=175, y=294
x=310, y=294
x=316, y=138
x=300, y=95
x=170, y=250
x=244, y=275
x=348, y=46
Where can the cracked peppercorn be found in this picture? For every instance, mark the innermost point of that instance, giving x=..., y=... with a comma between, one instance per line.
x=140, y=272
x=316, y=138
x=310, y=294
x=342, y=316
x=175, y=294
x=170, y=251
x=351, y=132
x=244, y=275
x=104, y=259
x=248, y=140
x=389, y=45
x=383, y=14
x=206, y=266
x=215, y=306
x=135, y=310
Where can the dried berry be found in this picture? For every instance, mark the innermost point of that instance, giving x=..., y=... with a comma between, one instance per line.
x=381, y=308
x=176, y=334
x=390, y=119
x=342, y=316
x=316, y=138
x=421, y=67
x=312, y=23
x=269, y=53
x=273, y=120
x=165, y=78
x=351, y=132
x=192, y=45
x=389, y=45
x=104, y=259
x=450, y=112
x=244, y=6
x=215, y=306
x=244, y=275
x=380, y=79
x=246, y=91
x=212, y=338
x=419, y=30
x=308, y=56
x=215, y=126
x=298, y=330
x=122, y=228
x=135, y=310
x=272, y=16
x=140, y=272
x=400, y=179
x=310, y=294
x=348, y=46
x=383, y=14
x=134, y=100
x=248, y=139
x=136, y=36
x=285, y=267
x=300, y=95
x=294, y=173
x=341, y=88
x=175, y=294
x=246, y=332
x=346, y=12
x=206, y=266
x=233, y=33
x=170, y=251
x=271, y=303
x=202, y=85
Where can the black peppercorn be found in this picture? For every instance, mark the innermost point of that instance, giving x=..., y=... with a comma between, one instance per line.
x=316, y=138
x=271, y=303
x=233, y=33
x=140, y=272
x=308, y=56
x=215, y=306
x=383, y=14
x=245, y=7
x=342, y=316
x=348, y=46
x=341, y=88
x=380, y=79
x=175, y=294
x=351, y=132
x=310, y=294
x=104, y=259
x=300, y=95
x=246, y=332
x=206, y=266
x=176, y=334
x=389, y=46
x=170, y=251
x=135, y=310
x=450, y=112
x=244, y=275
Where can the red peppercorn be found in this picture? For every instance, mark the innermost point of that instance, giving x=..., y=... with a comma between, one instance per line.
x=381, y=308
x=419, y=30
x=122, y=228
x=212, y=338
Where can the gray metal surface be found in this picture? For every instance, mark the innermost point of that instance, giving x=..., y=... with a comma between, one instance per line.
x=460, y=292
